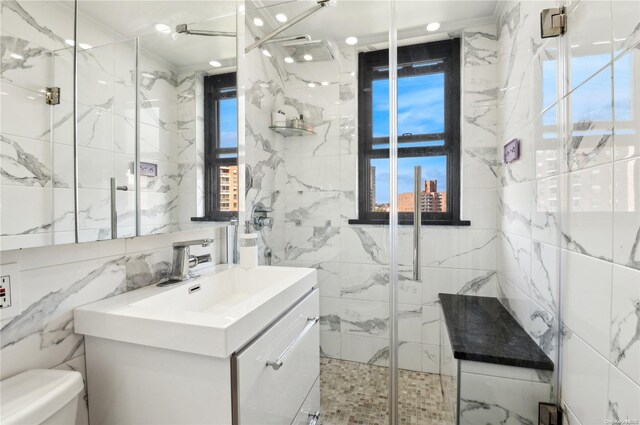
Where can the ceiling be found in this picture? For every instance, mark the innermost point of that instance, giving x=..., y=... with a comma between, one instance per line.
x=368, y=20
x=126, y=20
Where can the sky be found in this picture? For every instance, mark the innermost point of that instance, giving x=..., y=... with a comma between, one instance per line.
x=420, y=111
x=228, y=123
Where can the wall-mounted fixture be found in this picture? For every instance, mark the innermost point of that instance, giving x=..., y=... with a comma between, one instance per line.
x=114, y=209
x=52, y=96
x=553, y=22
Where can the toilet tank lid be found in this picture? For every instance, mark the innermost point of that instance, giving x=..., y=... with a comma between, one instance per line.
x=35, y=395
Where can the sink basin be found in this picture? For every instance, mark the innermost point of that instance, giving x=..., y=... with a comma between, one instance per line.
x=214, y=314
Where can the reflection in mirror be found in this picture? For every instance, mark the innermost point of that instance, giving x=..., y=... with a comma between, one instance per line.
x=36, y=138
x=168, y=52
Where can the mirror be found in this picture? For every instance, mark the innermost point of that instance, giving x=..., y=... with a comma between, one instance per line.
x=36, y=183
x=140, y=99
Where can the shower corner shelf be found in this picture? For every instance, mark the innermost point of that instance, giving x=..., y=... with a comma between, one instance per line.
x=292, y=131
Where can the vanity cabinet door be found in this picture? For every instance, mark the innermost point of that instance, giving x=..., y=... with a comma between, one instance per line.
x=273, y=394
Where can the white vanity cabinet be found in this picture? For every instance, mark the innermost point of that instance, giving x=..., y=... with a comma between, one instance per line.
x=226, y=352
x=272, y=395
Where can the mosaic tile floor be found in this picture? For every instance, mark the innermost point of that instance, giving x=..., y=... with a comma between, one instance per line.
x=356, y=393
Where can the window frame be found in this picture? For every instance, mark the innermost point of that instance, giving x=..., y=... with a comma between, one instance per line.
x=369, y=66
x=212, y=150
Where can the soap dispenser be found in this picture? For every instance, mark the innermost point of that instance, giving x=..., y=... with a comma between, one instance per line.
x=248, y=248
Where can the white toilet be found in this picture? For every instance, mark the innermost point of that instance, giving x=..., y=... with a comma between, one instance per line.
x=40, y=397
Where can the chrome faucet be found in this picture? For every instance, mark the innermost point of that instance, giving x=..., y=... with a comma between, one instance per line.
x=183, y=261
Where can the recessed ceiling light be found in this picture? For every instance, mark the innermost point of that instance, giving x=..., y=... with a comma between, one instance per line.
x=147, y=75
x=266, y=53
x=85, y=46
x=215, y=64
x=289, y=59
x=264, y=85
x=258, y=22
x=325, y=83
x=17, y=56
x=351, y=41
x=241, y=8
x=281, y=17
x=433, y=26
x=70, y=42
x=103, y=82
x=312, y=85
x=163, y=28
x=308, y=57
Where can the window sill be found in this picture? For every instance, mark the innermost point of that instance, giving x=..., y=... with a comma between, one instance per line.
x=218, y=219
x=461, y=223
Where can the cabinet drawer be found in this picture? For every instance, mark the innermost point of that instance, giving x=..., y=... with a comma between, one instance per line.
x=276, y=372
x=310, y=407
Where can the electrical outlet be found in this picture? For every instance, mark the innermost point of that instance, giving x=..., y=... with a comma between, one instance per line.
x=9, y=290
x=5, y=291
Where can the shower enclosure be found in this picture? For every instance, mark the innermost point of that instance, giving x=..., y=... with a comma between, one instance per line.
x=353, y=116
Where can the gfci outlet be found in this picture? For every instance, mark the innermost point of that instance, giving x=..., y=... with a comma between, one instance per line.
x=9, y=290
x=5, y=291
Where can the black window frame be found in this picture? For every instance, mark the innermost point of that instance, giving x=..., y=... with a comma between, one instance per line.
x=439, y=56
x=216, y=88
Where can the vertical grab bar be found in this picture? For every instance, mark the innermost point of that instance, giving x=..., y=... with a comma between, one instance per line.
x=114, y=211
x=417, y=220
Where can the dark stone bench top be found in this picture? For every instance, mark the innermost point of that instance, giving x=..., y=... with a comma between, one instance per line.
x=482, y=330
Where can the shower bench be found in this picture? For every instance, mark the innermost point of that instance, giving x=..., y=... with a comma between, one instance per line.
x=492, y=371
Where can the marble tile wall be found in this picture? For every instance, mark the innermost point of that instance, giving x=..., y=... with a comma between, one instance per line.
x=55, y=280
x=310, y=182
x=568, y=209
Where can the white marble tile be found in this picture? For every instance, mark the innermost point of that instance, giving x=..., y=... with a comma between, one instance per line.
x=480, y=45
x=587, y=299
x=431, y=325
x=317, y=244
x=626, y=70
x=626, y=213
x=480, y=206
x=624, y=396
x=625, y=341
x=29, y=116
x=375, y=351
x=42, y=335
x=459, y=248
x=371, y=282
x=585, y=378
x=591, y=122
x=515, y=209
x=625, y=18
x=431, y=358
x=456, y=281
x=480, y=86
x=546, y=205
x=480, y=167
x=330, y=310
x=587, y=227
x=589, y=40
x=514, y=260
x=517, y=302
x=492, y=400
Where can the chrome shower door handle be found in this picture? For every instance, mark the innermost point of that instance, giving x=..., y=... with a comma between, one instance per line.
x=417, y=220
x=278, y=362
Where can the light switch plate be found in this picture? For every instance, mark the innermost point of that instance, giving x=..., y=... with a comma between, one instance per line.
x=10, y=277
x=148, y=169
x=511, y=151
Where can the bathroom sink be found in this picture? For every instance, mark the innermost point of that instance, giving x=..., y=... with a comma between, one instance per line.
x=214, y=314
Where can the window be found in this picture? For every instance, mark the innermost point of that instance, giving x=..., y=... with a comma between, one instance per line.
x=428, y=133
x=221, y=147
